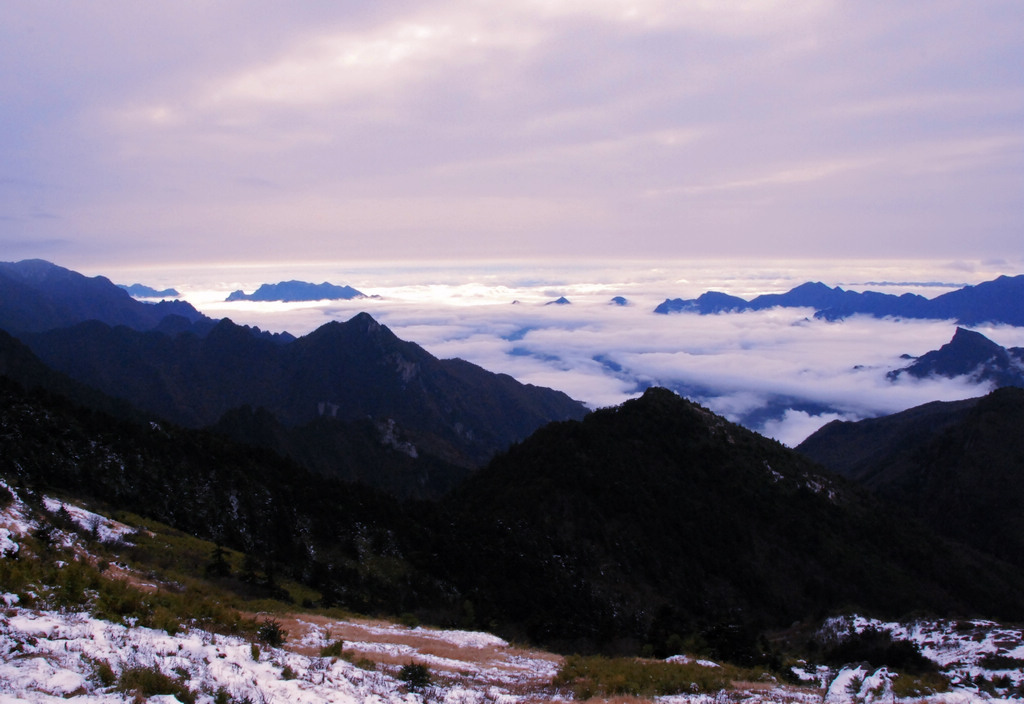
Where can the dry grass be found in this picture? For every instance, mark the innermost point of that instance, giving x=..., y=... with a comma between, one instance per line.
x=526, y=673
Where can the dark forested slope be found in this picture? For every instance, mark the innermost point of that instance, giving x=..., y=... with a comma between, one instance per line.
x=643, y=523
x=660, y=517
x=958, y=466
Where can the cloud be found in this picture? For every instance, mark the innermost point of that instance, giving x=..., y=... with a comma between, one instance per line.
x=795, y=426
x=538, y=129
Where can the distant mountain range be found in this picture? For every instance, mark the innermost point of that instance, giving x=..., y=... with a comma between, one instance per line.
x=292, y=291
x=998, y=301
x=143, y=291
x=971, y=354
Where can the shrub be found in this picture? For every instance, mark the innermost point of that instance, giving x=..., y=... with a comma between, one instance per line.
x=147, y=682
x=6, y=497
x=881, y=650
x=118, y=600
x=333, y=649
x=104, y=673
x=593, y=676
x=363, y=663
x=906, y=686
x=1001, y=661
x=164, y=619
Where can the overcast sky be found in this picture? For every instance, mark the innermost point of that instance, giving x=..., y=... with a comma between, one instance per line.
x=270, y=131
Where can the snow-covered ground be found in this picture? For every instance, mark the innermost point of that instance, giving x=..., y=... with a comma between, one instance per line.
x=965, y=650
x=49, y=656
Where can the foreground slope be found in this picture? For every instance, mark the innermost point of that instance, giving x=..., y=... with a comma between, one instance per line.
x=958, y=466
x=340, y=539
x=146, y=628
x=658, y=518
x=640, y=525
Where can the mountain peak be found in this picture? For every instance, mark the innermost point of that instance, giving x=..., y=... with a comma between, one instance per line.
x=969, y=353
x=364, y=321
x=817, y=286
x=964, y=337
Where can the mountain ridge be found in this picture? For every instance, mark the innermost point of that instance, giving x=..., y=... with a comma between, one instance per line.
x=348, y=371
x=36, y=295
x=996, y=301
x=969, y=353
x=956, y=465
x=658, y=517
x=294, y=291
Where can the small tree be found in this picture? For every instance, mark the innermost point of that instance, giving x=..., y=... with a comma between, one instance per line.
x=415, y=676
x=271, y=633
x=218, y=565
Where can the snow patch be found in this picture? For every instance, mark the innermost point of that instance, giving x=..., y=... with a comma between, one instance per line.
x=105, y=529
x=8, y=548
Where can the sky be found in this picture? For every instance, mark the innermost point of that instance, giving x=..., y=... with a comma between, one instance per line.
x=143, y=133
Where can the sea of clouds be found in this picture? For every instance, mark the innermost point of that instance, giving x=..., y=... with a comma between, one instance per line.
x=778, y=371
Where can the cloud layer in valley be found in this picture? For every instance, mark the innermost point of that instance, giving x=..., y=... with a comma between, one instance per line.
x=779, y=371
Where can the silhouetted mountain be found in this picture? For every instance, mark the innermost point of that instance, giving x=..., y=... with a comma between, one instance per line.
x=879, y=305
x=705, y=304
x=287, y=291
x=970, y=353
x=659, y=517
x=143, y=291
x=998, y=301
x=374, y=454
x=809, y=295
x=349, y=371
x=36, y=295
x=959, y=466
x=561, y=301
